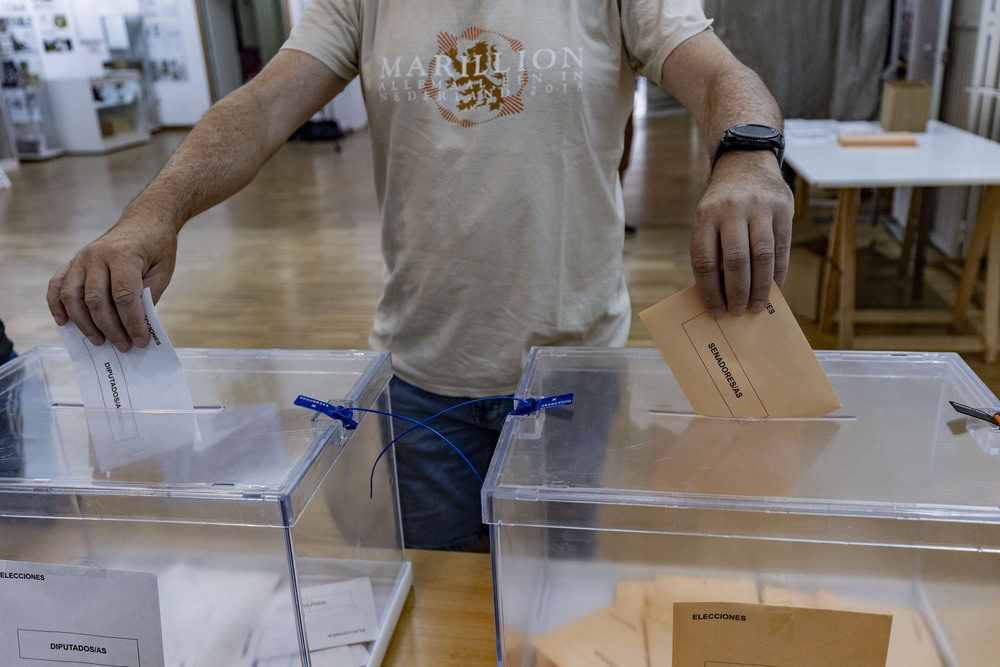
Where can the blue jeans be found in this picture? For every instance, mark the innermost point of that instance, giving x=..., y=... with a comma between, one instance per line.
x=439, y=495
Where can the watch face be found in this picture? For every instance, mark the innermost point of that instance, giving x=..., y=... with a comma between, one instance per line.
x=754, y=131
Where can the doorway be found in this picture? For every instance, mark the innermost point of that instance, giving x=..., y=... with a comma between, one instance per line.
x=240, y=37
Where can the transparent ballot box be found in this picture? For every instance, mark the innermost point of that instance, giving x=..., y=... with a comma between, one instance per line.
x=253, y=541
x=620, y=506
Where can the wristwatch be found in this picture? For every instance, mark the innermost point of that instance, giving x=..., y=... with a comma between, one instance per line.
x=750, y=137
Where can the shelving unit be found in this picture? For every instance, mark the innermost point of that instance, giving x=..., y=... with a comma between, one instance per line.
x=26, y=108
x=99, y=114
x=8, y=146
x=31, y=116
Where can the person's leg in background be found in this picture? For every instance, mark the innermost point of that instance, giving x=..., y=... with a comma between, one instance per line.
x=596, y=402
x=11, y=447
x=6, y=346
x=439, y=495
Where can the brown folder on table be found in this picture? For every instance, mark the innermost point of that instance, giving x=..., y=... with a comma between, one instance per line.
x=866, y=139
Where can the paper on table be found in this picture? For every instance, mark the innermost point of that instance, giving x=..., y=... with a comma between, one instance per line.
x=340, y=613
x=354, y=655
x=138, y=403
x=273, y=642
x=750, y=366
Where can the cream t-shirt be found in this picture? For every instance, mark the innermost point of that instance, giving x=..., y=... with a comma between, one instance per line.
x=497, y=129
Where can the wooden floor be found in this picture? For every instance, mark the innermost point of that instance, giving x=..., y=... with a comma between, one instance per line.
x=293, y=261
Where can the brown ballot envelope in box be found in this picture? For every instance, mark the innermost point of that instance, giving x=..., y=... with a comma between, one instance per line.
x=667, y=591
x=752, y=366
x=598, y=639
x=717, y=634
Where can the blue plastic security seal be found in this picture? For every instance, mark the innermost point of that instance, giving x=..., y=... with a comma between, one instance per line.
x=333, y=411
x=529, y=405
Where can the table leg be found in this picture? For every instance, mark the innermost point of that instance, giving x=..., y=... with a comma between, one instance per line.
x=801, y=211
x=991, y=306
x=847, y=211
x=910, y=231
x=828, y=282
x=986, y=219
x=925, y=212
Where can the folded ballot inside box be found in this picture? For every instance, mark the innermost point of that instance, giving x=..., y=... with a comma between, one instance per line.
x=231, y=513
x=691, y=620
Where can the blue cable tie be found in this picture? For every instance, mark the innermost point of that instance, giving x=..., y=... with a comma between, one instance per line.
x=338, y=412
x=526, y=407
x=530, y=405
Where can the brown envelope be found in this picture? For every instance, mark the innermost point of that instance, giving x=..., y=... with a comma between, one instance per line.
x=910, y=644
x=668, y=590
x=708, y=634
x=754, y=366
x=731, y=457
x=599, y=639
x=630, y=601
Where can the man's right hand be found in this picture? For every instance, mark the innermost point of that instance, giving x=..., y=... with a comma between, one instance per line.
x=100, y=289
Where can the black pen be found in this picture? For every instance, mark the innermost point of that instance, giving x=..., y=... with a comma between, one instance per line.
x=986, y=414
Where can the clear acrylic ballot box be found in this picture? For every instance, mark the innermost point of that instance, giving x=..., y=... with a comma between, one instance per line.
x=890, y=505
x=257, y=542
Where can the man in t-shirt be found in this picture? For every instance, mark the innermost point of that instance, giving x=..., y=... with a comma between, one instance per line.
x=497, y=134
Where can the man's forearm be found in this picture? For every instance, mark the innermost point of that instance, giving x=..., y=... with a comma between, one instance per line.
x=100, y=288
x=742, y=224
x=218, y=158
x=717, y=88
x=227, y=147
x=736, y=95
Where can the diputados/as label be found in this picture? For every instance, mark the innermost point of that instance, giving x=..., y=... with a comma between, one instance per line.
x=86, y=615
x=80, y=648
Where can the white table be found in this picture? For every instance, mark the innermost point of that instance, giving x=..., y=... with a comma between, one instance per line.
x=945, y=155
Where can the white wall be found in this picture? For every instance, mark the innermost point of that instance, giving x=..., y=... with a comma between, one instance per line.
x=173, y=34
x=84, y=29
x=182, y=100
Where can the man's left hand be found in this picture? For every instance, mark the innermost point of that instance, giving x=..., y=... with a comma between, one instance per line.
x=742, y=233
